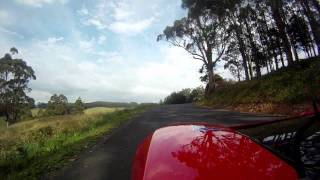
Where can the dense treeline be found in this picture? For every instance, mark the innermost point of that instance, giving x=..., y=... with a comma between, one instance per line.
x=251, y=37
x=58, y=105
x=15, y=104
x=99, y=104
x=184, y=96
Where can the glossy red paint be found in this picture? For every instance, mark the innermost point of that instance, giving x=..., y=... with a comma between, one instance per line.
x=190, y=152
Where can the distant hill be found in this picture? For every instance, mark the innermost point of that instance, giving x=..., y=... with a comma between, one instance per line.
x=98, y=104
x=109, y=104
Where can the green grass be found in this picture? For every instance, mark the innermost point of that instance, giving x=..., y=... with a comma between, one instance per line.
x=288, y=86
x=35, y=112
x=3, y=123
x=31, y=148
x=100, y=110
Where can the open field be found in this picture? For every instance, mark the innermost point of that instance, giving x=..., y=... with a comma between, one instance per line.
x=29, y=148
x=101, y=110
x=88, y=111
x=35, y=111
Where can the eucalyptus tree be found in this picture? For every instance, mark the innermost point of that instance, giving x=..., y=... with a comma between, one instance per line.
x=203, y=36
x=57, y=105
x=300, y=32
x=313, y=18
x=15, y=76
x=78, y=106
x=279, y=18
x=260, y=34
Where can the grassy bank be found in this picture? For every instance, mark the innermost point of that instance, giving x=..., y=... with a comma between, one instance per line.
x=281, y=89
x=29, y=149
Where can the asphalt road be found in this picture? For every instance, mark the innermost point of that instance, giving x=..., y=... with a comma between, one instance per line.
x=112, y=157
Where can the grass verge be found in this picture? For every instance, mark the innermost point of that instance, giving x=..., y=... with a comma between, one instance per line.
x=46, y=149
x=276, y=91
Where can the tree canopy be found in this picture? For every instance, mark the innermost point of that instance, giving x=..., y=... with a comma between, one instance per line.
x=57, y=105
x=15, y=76
x=250, y=37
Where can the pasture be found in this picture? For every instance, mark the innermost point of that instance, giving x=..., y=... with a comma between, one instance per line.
x=29, y=148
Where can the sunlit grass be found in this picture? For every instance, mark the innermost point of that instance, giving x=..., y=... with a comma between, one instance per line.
x=30, y=148
x=100, y=110
x=35, y=111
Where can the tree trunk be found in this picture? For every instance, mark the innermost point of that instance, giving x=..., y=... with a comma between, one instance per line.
x=280, y=52
x=276, y=62
x=315, y=27
x=317, y=5
x=313, y=50
x=7, y=118
x=295, y=53
x=276, y=9
x=238, y=73
x=254, y=49
x=211, y=81
x=242, y=52
x=250, y=68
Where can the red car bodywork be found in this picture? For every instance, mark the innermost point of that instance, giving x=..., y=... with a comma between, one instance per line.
x=198, y=152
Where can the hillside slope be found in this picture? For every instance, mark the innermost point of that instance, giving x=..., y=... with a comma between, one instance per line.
x=287, y=91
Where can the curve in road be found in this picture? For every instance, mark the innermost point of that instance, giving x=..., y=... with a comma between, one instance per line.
x=112, y=157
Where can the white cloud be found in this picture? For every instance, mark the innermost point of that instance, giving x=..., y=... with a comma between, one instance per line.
x=40, y=3
x=86, y=45
x=100, y=25
x=121, y=17
x=113, y=77
x=177, y=71
x=83, y=11
x=53, y=40
x=102, y=39
x=122, y=11
x=127, y=27
x=83, y=64
x=11, y=33
x=4, y=16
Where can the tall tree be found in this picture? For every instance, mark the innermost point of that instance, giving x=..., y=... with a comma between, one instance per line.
x=78, y=106
x=15, y=75
x=314, y=24
x=204, y=37
x=57, y=105
x=278, y=15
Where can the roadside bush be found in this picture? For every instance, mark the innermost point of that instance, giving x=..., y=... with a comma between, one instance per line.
x=185, y=96
x=288, y=86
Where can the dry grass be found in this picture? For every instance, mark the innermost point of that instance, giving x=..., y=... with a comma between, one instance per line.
x=35, y=111
x=100, y=110
x=26, y=131
x=31, y=148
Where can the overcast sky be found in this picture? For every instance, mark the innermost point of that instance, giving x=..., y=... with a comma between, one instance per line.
x=98, y=50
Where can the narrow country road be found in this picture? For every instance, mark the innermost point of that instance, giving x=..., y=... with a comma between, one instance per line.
x=112, y=157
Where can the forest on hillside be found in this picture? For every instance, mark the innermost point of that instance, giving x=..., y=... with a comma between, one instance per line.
x=251, y=38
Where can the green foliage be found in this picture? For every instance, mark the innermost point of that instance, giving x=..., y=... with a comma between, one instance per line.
x=110, y=104
x=101, y=110
x=185, y=96
x=57, y=105
x=78, y=106
x=296, y=84
x=251, y=37
x=15, y=75
x=39, y=146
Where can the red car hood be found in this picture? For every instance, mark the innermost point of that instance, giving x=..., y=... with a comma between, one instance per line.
x=199, y=152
